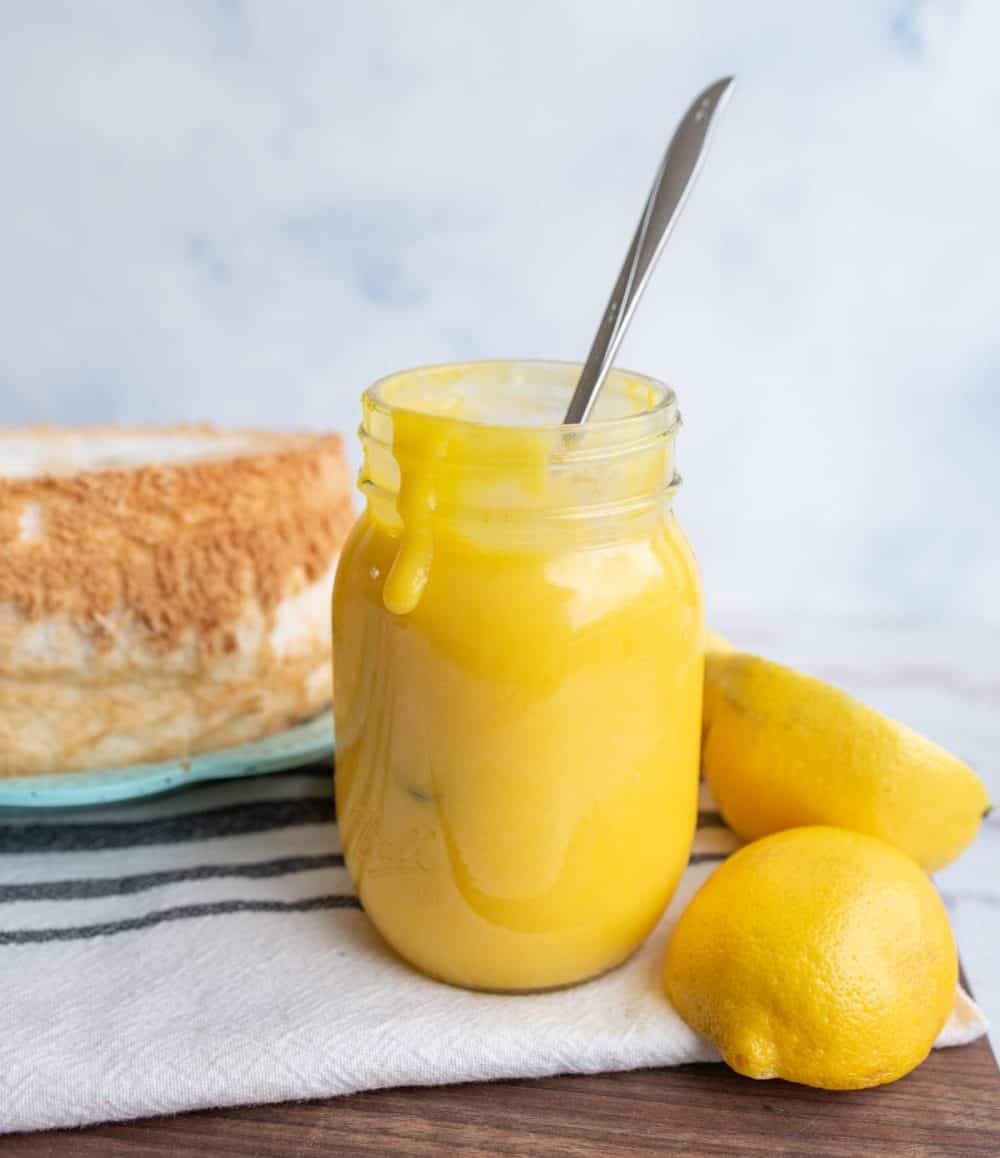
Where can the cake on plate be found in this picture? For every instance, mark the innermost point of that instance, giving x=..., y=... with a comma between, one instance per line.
x=163, y=592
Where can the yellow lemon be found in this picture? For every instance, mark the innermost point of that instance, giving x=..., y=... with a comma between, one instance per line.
x=817, y=955
x=716, y=642
x=781, y=749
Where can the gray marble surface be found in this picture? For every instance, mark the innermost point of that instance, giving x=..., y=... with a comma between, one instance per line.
x=943, y=680
x=246, y=211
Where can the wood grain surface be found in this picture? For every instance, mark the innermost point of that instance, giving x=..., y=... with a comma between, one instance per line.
x=949, y=1106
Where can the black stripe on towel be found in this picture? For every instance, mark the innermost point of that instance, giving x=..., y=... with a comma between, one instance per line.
x=711, y=820
x=232, y=820
x=178, y=913
x=86, y=890
x=705, y=857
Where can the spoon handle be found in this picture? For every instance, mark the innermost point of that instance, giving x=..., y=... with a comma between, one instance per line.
x=673, y=181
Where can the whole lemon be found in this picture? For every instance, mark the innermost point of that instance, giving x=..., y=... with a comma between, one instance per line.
x=781, y=749
x=818, y=955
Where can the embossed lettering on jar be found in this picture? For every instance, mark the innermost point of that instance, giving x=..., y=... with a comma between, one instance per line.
x=518, y=639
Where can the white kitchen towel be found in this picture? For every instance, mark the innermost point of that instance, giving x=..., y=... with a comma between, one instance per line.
x=207, y=949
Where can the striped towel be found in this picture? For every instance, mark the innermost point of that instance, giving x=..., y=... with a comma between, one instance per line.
x=206, y=949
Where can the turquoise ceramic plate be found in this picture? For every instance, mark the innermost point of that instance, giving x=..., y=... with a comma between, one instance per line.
x=306, y=743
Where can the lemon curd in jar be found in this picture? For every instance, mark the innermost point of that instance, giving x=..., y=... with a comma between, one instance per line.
x=518, y=637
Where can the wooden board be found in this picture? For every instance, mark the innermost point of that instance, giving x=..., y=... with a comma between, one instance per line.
x=949, y=1106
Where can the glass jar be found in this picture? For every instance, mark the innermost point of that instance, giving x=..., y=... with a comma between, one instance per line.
x=517, y=624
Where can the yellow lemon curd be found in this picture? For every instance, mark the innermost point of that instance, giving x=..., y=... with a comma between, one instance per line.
x=518, y=638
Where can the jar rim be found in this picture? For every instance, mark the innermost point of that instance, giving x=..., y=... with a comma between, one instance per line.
x=665, y=398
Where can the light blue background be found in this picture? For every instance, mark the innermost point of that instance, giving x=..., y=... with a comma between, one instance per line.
x=244, y=212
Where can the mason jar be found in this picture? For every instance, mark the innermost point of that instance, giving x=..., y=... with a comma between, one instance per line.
x=517, y=623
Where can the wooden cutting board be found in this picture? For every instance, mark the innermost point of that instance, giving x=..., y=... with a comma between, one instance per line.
x=949, y=1106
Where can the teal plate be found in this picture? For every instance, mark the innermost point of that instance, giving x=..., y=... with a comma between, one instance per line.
x=306, y=743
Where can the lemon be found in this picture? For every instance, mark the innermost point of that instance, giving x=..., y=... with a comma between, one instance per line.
x=781, y=749
x=716, y=642
x=818, y=955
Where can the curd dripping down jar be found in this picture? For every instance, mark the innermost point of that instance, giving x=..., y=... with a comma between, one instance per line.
x=517, y=623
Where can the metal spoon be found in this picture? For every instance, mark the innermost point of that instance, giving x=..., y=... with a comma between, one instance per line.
x=674, y=178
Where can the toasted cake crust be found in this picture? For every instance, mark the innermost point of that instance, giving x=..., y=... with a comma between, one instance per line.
x=166, y=607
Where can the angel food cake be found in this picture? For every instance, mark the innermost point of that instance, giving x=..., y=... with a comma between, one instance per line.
x=162, y=592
